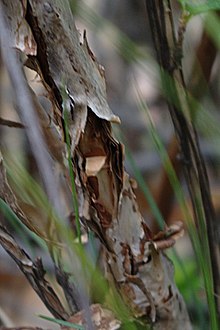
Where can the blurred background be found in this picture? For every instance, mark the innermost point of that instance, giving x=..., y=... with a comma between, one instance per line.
x=118, y=34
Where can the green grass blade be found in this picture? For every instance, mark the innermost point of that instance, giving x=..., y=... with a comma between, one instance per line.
x=75, y=254
x=62, y=322
x=20, y=228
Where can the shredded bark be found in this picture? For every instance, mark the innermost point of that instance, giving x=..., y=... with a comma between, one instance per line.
x=132, y=258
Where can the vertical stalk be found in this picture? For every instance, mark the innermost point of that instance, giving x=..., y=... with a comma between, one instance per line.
x=167, y=49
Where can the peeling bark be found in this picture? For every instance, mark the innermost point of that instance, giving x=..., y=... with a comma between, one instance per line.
x=133, y=259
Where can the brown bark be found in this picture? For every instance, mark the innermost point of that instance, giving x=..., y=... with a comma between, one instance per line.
x=133, y=259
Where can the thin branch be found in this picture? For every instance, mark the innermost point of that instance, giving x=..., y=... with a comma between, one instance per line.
x=10, y=123
x=34, y=272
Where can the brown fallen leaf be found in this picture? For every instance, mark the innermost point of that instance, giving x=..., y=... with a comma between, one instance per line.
x=102, y=319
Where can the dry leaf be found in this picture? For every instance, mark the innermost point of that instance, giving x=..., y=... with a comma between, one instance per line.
x=102, y=319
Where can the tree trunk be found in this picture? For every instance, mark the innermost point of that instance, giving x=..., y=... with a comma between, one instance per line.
x=133, y=260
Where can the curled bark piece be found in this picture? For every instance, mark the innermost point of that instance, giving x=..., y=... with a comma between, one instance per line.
x=80, y=71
